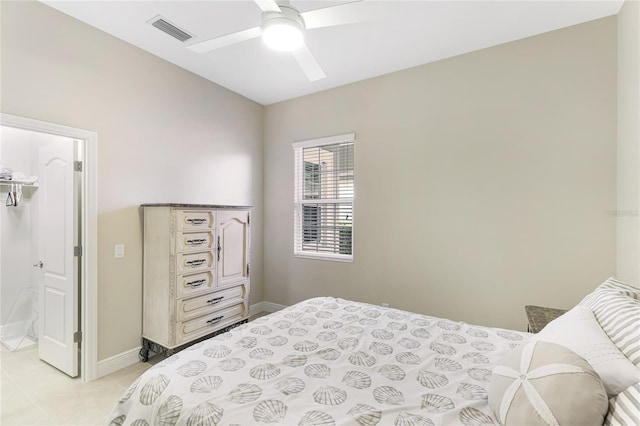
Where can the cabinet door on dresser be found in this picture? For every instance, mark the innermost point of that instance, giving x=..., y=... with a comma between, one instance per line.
x=233, y=247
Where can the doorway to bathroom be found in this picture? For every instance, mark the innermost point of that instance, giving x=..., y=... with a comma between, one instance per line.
x=47, y=243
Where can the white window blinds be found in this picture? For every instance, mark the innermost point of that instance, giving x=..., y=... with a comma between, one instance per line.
x=324, y=198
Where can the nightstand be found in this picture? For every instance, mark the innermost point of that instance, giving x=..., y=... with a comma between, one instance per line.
x=539, y=316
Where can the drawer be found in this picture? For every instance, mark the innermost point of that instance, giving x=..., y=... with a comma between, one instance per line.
x=191, y=262
x=194, y=219
x=210, y=302
x=189, y=330
x=194, y=241
x=194, y=284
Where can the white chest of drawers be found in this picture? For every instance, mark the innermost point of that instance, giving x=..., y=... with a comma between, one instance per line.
x=195, y=271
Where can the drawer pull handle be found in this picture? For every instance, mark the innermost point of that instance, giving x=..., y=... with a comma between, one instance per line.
x=196, y=220
x=196, y=283
x=215, y=320
x=196, y=242
x=196, y=262
x=219, y=248
x=215, y=300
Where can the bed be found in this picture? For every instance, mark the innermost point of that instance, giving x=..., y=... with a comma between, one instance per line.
x=328, y=361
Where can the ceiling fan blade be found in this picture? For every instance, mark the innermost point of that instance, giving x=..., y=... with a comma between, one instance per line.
x=349, y=13
x=308, y=63
x=218, y=42
x=268, y=5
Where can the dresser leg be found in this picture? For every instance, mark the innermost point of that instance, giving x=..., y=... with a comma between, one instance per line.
x=144, y=351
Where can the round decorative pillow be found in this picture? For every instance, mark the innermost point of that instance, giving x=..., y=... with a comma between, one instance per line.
x=544, y=383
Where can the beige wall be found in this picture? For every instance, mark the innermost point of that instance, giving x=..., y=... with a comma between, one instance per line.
x=482, y=181
x=629, y=142
x=164, y=135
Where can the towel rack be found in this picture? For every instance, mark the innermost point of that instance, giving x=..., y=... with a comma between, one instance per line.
x=19, y=182
x=14, y=195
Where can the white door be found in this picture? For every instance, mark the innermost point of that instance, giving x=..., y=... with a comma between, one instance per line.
x=233, y=241
x=58, y=212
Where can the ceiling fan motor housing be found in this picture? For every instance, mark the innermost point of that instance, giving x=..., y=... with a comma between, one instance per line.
x=287, y=15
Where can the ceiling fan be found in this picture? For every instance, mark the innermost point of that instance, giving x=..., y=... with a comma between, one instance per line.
x=283, y=28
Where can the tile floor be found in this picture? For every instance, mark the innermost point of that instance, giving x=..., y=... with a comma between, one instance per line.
x=34, y=393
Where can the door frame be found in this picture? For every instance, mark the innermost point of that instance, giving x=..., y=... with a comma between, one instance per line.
x=88, y=230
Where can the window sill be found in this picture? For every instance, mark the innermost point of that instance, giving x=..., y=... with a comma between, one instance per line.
x=334, y=258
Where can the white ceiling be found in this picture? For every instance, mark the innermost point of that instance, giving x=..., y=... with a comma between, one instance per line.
x=419, y=32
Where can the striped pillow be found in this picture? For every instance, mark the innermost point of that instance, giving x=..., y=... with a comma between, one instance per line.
x=619, y=286
x=619, y=316
x=624, y=409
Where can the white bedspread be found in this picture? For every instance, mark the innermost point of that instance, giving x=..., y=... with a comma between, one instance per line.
x=326, y=361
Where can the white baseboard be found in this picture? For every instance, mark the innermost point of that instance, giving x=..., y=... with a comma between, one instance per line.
x=256, y=309
x=118, y=362
x=272, y=307
x=265, y=307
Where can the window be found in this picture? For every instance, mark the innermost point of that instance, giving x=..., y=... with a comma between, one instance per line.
x=324, y=198
x=311, y=213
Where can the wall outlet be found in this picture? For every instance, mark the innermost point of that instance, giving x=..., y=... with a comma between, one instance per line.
x=385, y=305
x=119, y=251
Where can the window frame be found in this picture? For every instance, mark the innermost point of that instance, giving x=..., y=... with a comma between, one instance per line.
x=299, y=202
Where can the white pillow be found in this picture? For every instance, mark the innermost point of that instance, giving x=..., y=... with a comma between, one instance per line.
x=579, y=331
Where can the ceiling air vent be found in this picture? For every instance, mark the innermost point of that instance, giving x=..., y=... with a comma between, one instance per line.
x=167, y=27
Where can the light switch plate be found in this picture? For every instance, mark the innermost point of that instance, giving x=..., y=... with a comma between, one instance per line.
x=119, y=251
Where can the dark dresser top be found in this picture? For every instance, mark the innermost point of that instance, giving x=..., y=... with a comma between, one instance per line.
x=205, y=206
x=540, y=316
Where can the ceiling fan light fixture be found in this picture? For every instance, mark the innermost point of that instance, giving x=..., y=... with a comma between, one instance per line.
x=283, y=31
x=282, y=34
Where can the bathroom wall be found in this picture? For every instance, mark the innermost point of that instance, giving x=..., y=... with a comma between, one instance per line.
x=15, y=223
x=19, y=225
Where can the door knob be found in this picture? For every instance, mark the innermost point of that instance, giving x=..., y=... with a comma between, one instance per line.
x=39, y=264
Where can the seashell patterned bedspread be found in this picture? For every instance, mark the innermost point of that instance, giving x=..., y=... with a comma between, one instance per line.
x=326, y=361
